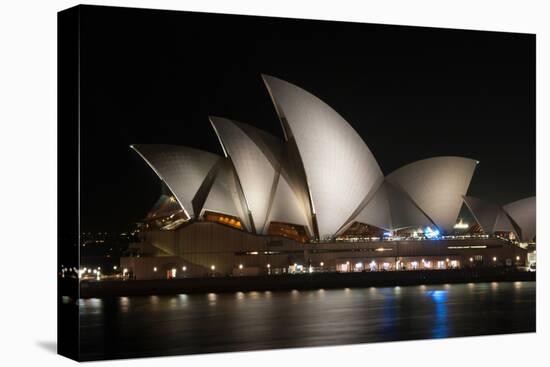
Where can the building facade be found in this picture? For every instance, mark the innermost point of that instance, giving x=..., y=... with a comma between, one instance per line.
x=276, y=205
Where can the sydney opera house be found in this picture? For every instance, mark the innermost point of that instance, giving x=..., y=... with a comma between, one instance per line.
x=314, y=201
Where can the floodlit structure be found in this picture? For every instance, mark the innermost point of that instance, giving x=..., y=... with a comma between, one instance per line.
x=391, y=209
x=436, y=186
x=317, y=185
x=523, y=213
x=518, y=217
x=341, y=173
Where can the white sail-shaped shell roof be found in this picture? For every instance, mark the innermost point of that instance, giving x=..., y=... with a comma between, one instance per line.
x=182, y=169
x=392, y=210
x=340, y=169
x=286, y=207
x=256, y=157
x=524, y=212
x=485, y=213
x=437, y=186
x=491, y=217
x=322, y=176
x=225, y=196
x=256, y=173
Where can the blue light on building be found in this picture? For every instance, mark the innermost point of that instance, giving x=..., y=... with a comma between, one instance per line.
x=431, y=233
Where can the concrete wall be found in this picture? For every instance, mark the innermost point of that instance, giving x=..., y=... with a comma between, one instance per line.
x=201, y=245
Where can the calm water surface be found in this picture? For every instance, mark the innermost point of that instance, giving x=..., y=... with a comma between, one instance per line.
x=126, y=327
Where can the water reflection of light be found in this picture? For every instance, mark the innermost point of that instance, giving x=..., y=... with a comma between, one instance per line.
x=154, y=300
x=494, y=286
x=174, y=303
x=254, y=295
x=389, y=315
x=95, y=302
x=124, y=303
x=517, y=285
x=240, y=295
x=441, y=327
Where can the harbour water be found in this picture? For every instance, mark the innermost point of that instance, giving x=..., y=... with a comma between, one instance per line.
x=126, y=327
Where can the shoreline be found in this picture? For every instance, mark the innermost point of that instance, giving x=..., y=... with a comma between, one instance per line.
x=298, y=282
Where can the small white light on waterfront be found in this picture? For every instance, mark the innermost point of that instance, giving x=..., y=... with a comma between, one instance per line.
x=174, y=272
x=125, y=271
x=99, y=268
x=89, y=271
x=347, y=262
x=322, y=263
x=447, y=259
x=213, y=267
x=240, y=266
x=471, y=259
x=184, y=268
x=495, y=258
x=155, y=268
x=114, y=267
x=268, y=266
x=517, y=258
x=95, y=271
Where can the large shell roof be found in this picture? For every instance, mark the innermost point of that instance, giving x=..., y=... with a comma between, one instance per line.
x=437, y=186
x=524, y=213
x=340, y=169
x=321, y=176
x=182, y=169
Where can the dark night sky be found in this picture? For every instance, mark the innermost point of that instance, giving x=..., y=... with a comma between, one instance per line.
x=411, y=93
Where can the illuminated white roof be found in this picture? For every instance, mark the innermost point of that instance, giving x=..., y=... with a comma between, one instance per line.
x=286, y=207
x=391, y=209
x=225, y=195
x=524, y=214
x=504, y=224
x=256, y=173
x=489, y=216
x=340, y=169
x=322, y=176
x=182, y=169
x=484, y=213
x=256, y=157
x=437, y=186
